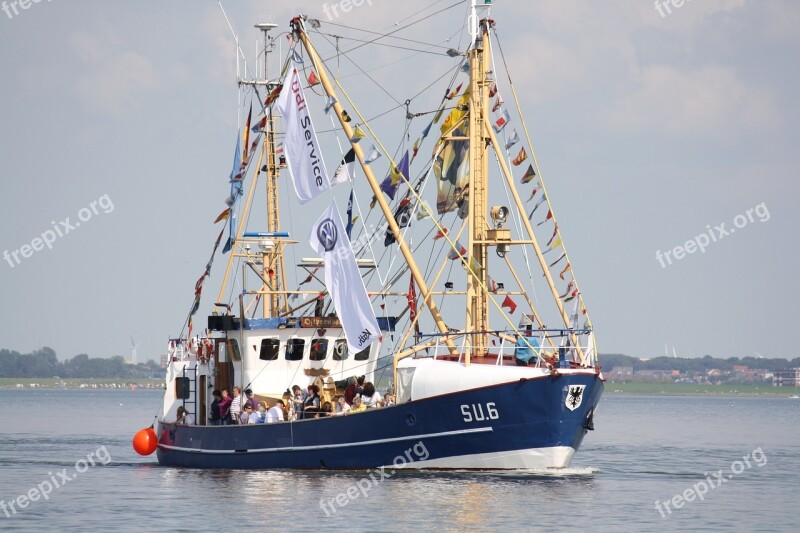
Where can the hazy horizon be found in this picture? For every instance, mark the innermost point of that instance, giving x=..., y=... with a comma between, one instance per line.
x=651, y=130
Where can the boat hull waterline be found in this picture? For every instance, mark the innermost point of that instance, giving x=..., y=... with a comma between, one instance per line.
x=520, y=425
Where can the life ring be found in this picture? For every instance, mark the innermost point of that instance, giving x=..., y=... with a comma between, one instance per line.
x=341, y=350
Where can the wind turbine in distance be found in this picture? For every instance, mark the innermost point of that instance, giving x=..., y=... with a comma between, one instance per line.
x=134, y=346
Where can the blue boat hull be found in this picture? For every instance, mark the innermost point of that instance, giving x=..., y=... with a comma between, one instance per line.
x=521, y=424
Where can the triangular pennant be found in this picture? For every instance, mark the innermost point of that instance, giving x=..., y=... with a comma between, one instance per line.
x=514, y=139
x=372, y=155
x=358, y=134
x=313, y=79
x=521, y=156
x=528, y=177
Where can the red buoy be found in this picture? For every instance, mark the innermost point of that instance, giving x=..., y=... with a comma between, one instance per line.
x=145, y=441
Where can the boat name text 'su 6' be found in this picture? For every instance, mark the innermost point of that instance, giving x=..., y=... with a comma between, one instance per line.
x=474, y=412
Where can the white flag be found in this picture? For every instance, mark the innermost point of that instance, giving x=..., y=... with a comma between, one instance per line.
x=343, y=281
x=303, y=156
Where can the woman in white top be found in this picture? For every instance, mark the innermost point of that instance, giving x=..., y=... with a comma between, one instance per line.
x=370, y=397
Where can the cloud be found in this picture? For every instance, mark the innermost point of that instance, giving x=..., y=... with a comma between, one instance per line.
x=711, y=101
x=113, y=81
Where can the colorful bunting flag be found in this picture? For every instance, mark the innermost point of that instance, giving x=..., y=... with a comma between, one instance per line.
x=533, y=193
x=548, y=217
x=313, y=79
x=569, y=289
x=528, y=177
x=455, y=91
x=396, y=174
x=260, y=125
x=223, y=216
x=555, y=232
x=561, y=275
x=536, y=206
x=493, y=90
x=440, y=234
x=514, y=139
x=372, y=156
x=345, y=171
x=349, y=227
x=296, y=57
x=273, y=95
x=330, y=101
x=246, y=133
x=556, y=244
x=502, y=121
x=508, y=302
x=562, y=256
x=458, y=252
x=498, y=103
x=521, y=156
x=358, y=134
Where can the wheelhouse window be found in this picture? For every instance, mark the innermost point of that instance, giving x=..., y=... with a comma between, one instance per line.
x=294, y=349
x=340, y=352
x=182, y=388
x=363, y=355
x=269, y=349
x=319, y=349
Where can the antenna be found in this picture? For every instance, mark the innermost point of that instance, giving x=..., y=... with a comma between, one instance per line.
x=474, y=18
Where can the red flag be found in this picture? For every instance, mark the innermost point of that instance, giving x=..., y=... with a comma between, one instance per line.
x=493, y=90
x=312, y=79
x=222, y=216
x=455, y=92
x=561, y=274
x=412, y=303
x=508, y=302
x=260, y=125
x=440, y=234
x=271, y=97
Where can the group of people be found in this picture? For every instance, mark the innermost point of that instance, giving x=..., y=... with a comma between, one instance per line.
x=358, y=396
x=303, y=405
x=227, y=410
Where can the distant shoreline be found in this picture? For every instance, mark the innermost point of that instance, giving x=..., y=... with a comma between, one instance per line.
x=698, y=389
x=82, y=383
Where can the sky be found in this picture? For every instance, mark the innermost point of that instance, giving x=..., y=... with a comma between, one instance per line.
x=652, y=127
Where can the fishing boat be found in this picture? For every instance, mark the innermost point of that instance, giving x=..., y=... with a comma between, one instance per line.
x=404, y=293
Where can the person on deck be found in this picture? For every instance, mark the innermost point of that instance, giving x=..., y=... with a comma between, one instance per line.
x=236, y=405
x=216, y=419
x=528, y=346
x=251, y=399
x=244, y=418
x=225, y=407
x=357, y=407
x=312, y=403
x=350, y=390
x=259, y=415
x=298, y=401
x=184, y=418
x=342, y=407
x=275, y=413
x=370, y=397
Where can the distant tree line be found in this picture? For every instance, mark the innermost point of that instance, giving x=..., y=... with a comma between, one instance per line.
x=701, y=364
x=44, y=364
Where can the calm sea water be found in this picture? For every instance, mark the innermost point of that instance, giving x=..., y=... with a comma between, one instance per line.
x=643, y=449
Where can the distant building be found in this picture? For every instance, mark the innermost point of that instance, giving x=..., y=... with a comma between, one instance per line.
x=786, y=378
x=741, y=369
